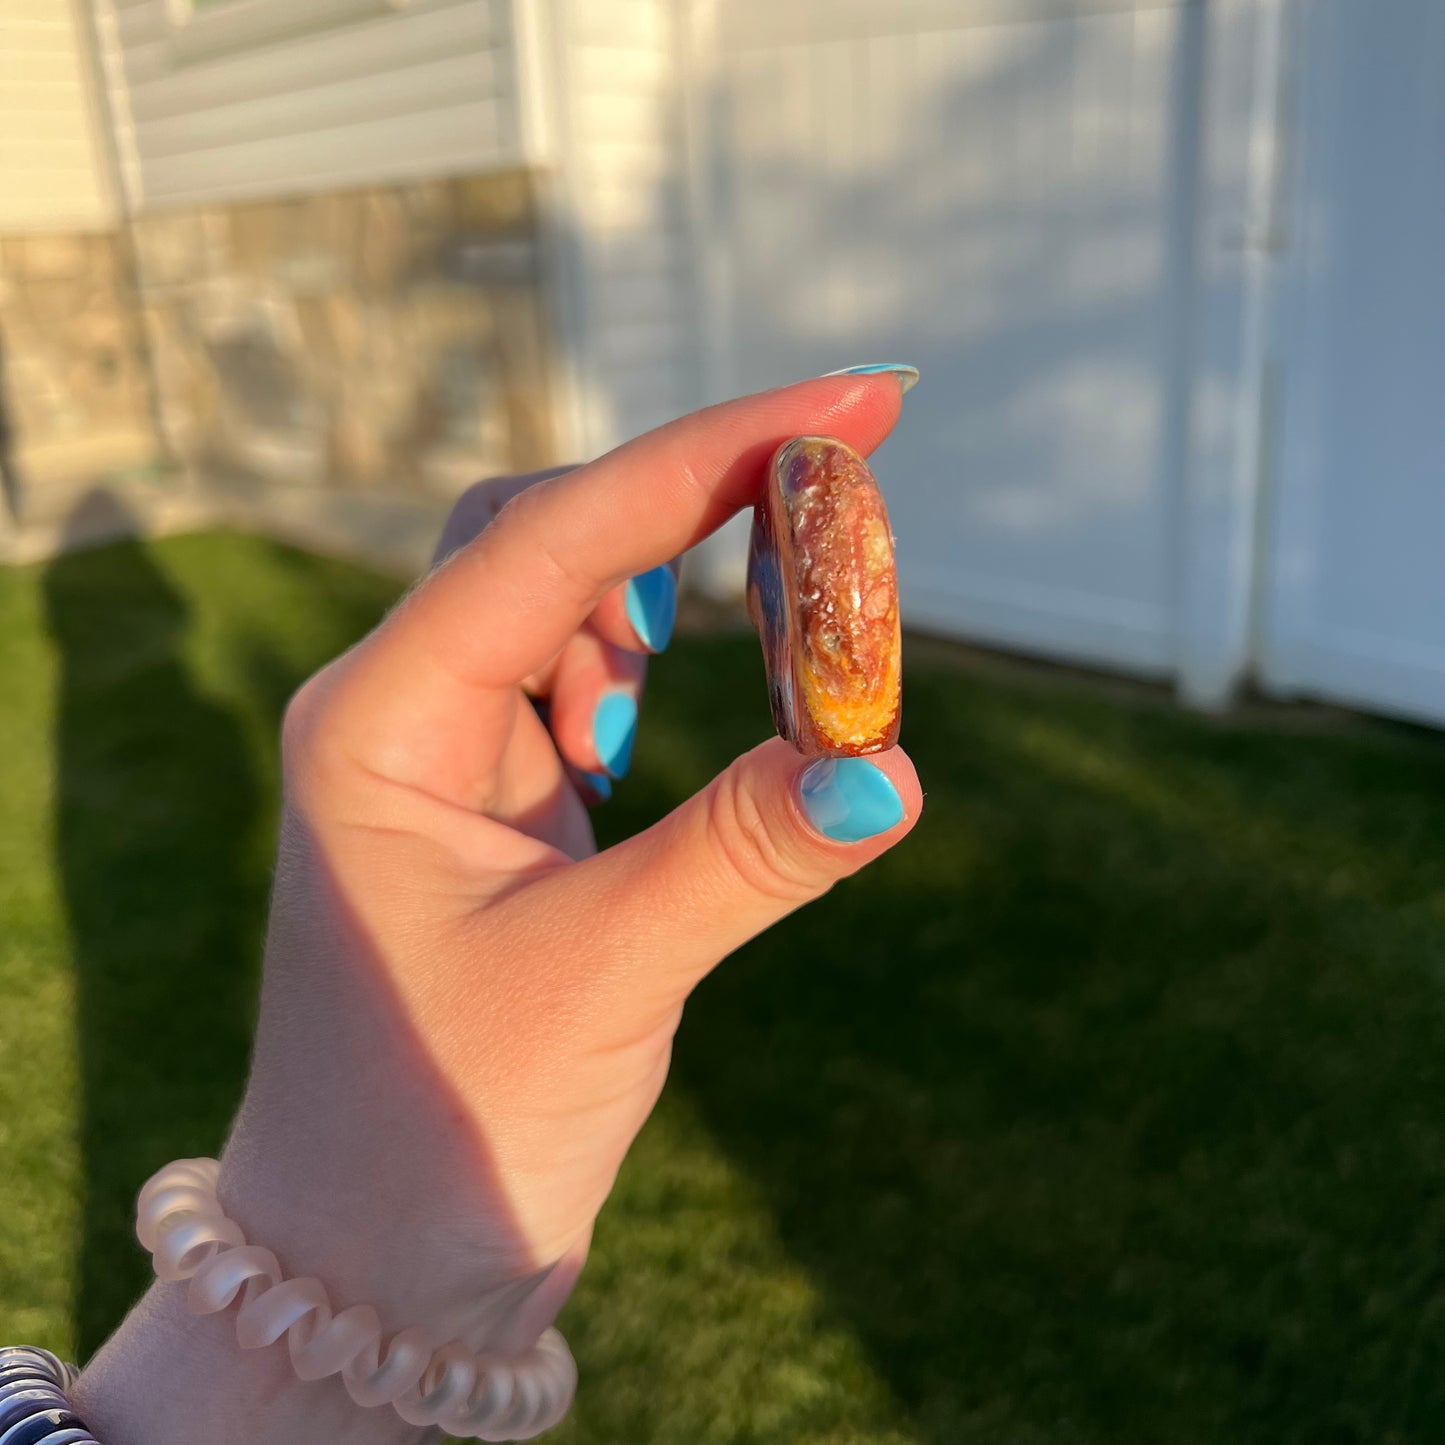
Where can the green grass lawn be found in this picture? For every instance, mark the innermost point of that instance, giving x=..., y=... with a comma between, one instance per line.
x=1109, y=1108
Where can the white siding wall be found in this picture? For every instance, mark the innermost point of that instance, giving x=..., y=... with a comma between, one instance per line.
x=52, y=165
x=261, y=98
x=621, y=218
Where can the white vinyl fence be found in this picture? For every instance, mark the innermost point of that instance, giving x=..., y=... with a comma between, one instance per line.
x=1354, y=602
x=1173, y=275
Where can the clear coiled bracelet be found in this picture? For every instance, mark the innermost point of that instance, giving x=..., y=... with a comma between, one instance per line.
x=484, y=1396
x=190, y=1239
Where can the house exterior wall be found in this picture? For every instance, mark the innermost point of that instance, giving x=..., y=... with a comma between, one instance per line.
x=619, y=160
x=391, y=337
x=271, y=98
x=305, y=188
x=75, y=390
x=327, y=275
x=53, y=171
x=74, y=385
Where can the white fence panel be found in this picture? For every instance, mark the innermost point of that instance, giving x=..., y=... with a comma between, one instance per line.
x=1355, y=605
x=1003, y=196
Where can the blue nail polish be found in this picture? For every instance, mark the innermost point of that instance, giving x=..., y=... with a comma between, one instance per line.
x=907, y=375
x=614, y=726
x=600, y=784
x=849, y=799
x=652, y=607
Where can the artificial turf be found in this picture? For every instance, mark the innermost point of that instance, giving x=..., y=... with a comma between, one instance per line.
x=1108, y=1108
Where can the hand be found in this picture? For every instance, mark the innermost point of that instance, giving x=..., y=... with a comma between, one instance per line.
x=467, y=1013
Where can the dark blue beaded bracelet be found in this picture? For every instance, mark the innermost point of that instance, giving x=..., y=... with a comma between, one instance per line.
x=19, y=1376
x=17, y=1363
x=34, y=1409
x=20, y=1404
x=41, y=1428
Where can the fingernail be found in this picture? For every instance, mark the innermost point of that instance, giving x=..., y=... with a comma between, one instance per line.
x=614, y=726
x=600, y=784
x=652, y=607
x=907, y=375
x=849, y=799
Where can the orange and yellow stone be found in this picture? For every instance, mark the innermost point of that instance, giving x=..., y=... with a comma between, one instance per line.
x=823, y=594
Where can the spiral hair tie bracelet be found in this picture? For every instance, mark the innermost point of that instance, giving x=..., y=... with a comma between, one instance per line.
x=34, y=1409
x=485, y=1397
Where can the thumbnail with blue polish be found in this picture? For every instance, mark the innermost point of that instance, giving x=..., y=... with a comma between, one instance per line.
x=849, y=799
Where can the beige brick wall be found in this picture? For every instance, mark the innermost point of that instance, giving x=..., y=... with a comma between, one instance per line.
x=74, y=383
x=391, y=337
x=391, y=340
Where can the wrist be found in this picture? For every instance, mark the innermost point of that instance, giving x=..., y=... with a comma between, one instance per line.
x=405, y=1223
x=168, y=1377
x=355, y=1159
x=271, y=1372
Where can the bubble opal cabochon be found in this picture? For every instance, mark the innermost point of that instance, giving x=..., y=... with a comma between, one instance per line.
x=823, y=594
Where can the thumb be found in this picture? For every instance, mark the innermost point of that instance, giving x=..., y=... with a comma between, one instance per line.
x=770, y=833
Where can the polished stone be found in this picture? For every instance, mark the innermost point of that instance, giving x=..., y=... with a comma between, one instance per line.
x=823, y=594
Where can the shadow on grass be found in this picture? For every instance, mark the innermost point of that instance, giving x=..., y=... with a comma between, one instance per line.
x=171, y=684
x=11, y=492
x=1107, y=1108
x=155, y=801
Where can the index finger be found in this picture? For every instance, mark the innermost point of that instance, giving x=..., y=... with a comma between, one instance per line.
x=614, y=618
x=504, y=604
x=479, y=506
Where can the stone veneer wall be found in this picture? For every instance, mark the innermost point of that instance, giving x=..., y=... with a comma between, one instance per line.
x=75, y=386
x=389, y=338
x=392, y=340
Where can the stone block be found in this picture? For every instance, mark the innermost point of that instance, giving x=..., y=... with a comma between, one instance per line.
x=252, y=239
x=171, y=248
x=53, y=258
x=383, y=244
x=382, y=337
x=442, y=315
x=357, y=450
x=468, y=259
x=346, y=319
x=314, y=320
x=497, y=203
x=105, y=266
x=328, y=224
